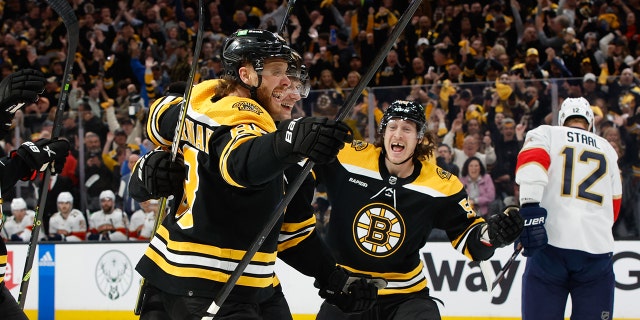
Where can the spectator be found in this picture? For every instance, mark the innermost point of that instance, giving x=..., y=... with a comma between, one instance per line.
x=507, y=145
x=445, y=159
x=478, y=184
x=68, y=224
x=109, y=223
x=129, y=205
x=470, y=148
x=97, y=179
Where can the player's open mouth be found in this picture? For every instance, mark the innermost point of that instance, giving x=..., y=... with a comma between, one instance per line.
x=397, y=147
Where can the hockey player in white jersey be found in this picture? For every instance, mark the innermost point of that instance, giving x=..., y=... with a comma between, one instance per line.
x=570, y=192
x=110, y=223
x=19, y=225
x=143, y=221
x=68, y=224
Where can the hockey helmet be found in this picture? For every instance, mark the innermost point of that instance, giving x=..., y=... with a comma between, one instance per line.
x=18, y=204
x=405, y=110
x=298, y=74
x=65, y=197
x=252, y=46
x=576, y=107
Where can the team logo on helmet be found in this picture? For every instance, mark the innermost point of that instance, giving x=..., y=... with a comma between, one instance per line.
x=114, y=274
x=378, y=230
x=247, y=106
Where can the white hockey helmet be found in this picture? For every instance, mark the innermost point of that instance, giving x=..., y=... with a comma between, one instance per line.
x=107, y=194
x=65, y=197
x=576, y=107
x=18, y=204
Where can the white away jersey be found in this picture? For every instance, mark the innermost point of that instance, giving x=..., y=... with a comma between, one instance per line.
x=22, y=229
x=141, y=225
x=117, y=218
x=574, y=174
x=75, y=224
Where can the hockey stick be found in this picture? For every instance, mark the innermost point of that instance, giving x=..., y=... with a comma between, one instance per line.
x=64, y=10
x=287, y=13
x=506, y=267
x=295, y=185
x=176, y=139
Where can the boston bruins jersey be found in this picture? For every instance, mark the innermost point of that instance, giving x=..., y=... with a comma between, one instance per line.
x=234, y=181
x=379, y=228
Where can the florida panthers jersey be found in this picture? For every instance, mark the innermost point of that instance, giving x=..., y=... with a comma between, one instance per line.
x=380, y=227
x=141, y=225
x=117, y=218
x=19, y=230
x=573, y=174
x=75, y=224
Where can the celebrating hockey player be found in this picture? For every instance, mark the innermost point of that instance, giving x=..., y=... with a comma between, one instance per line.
x=235, y=156
x=30, y=158
x=386, y=198
x=570, y=193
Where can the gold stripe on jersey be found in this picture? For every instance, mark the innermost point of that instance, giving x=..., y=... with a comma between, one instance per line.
x=3, y=265
x=239, y=135
x=188, y=259
x=203, y=249
x=293, y=233
x=460, y=243
x=156, y=110
x=398, y=282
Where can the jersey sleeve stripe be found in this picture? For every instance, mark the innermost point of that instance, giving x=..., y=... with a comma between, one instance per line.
x=616, y=208
x=153, y=124
x=534, y=155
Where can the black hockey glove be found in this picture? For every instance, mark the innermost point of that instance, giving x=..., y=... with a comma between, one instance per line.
x=503, y=228
x=17, y=89
x=349, y=292
x=160, y=176
x=534, y=234
x=38, y=155
x=318, y=139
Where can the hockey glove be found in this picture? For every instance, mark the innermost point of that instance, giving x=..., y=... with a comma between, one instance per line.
x=318, y=139
x=503, y=228
x=349, y=292
x=38, y=155
x=161, y=176
x=17, y=89
x=534, y=234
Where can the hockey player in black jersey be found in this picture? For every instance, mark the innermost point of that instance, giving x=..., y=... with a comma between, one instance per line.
x=235, y=156
x=385, y=200
x=16, y=90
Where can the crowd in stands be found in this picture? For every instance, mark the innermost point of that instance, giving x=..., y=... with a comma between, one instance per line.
x=487, y=71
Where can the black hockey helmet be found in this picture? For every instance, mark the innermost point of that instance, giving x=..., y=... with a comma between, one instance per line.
x=252, y=46
x=297, y=71
x=405, y=110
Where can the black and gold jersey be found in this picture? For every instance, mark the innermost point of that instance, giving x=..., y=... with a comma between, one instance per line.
x=233, y=184
x=379, y=222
